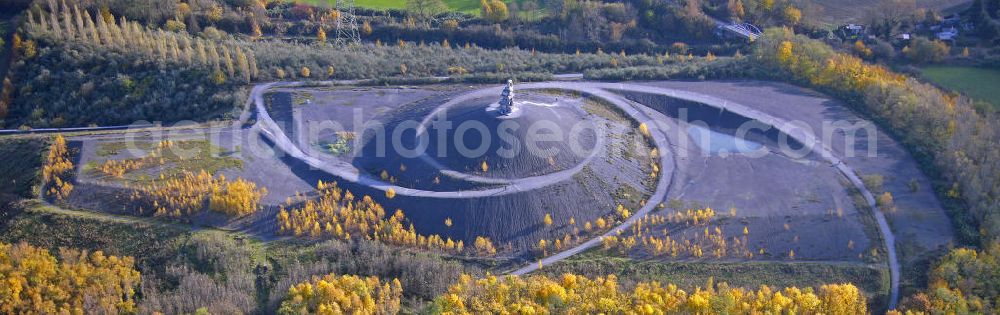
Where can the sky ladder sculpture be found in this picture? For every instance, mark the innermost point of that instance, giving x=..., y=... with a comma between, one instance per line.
x=507, y=99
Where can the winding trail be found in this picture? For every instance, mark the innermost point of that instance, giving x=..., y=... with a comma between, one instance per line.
x=606, y=91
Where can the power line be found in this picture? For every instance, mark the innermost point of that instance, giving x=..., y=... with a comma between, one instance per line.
x=347, y=24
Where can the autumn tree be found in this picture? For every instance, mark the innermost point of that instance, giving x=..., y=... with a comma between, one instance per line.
x=244, y=65
x=58, y=170
x=792, y=15
x=339, y=214
x=965, y=281
x=424, y=10
x=320, y=36
x=484, y=246
x=236, y=198
x=366, y=28
x=736, y=10
x=923, y=50
x=494, y=10
x=188, y=193
x=449, y=25
x=35, y=282
x=346, y=294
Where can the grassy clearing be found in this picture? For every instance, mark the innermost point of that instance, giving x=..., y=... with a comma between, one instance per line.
x=978, y=83
x=688, y=275
x=835, y=12
x=183, y=156
x=20, y=170
x=49, y=227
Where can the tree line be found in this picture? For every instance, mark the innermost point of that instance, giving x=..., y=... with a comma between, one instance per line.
x=112, y=71
x=38, y=282
x=574, y=294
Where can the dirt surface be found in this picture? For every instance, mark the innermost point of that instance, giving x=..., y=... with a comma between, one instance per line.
x=919, y=221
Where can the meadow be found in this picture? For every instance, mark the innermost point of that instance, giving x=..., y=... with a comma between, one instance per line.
x=977, y=83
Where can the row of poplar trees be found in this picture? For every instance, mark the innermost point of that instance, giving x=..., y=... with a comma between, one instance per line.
x=69, y=23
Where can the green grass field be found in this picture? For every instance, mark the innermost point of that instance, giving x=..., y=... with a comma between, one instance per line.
x=464, y=6
x=978, y=83
x=833, y=13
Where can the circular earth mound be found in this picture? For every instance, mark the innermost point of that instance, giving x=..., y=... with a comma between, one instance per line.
x=562, y=154
x=468, y=144
x=543, y=135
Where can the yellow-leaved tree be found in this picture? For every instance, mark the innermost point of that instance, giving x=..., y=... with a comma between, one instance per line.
x=58, y=170
x=346, y=294
x=32, y=281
